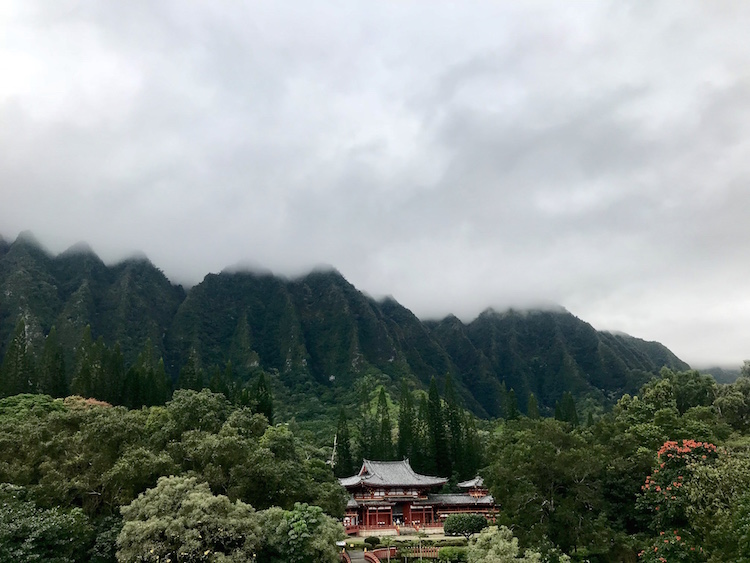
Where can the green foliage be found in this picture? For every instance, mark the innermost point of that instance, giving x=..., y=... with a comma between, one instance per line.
x=181, y=520
x=464, y=525
x=453, y=554
x=372, y=541
x=497, y=545
x=299, y=535
x=30, y=534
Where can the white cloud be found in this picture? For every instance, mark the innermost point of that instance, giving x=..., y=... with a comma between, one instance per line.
x=456, y=156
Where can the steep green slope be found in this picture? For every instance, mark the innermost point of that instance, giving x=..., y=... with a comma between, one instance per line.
x=129, y=302
x=317, y=335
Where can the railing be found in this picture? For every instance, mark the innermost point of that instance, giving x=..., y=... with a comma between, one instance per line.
x=425, y=552
x=380, y=555
x=344, y=556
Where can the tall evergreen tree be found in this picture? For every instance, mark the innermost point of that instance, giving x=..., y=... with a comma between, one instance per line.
x=532, y=407
x=568, y=412
x=264, y=397
x=511, y=406
x=53, y=378
x=191, y=374
x=384, y=440
x=423, y=459
x=83, y=378
x=17, y=373
x=406, y=423
x=436, y=431
x=343, y=465
x=454, y=424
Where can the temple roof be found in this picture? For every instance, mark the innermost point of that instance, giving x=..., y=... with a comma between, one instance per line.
x=476, y=482
x=459, y=500
x=390, y=474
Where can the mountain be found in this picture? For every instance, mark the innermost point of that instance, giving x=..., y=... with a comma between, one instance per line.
x=317, y=335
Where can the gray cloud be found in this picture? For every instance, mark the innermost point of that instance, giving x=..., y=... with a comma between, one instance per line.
x=457, y=156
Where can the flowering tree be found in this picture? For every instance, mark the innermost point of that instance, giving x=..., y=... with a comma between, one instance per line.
x=664, y=496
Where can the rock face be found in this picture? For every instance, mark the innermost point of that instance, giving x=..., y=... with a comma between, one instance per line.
x=317, y=332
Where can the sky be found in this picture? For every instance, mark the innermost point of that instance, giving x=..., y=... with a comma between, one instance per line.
x=453, y=155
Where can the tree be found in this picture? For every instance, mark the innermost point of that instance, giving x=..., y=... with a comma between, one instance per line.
x=17, y=370
x=343, y=465
x=464, y=525
x=406, y=420
x=53, y=377
x=299, y=535
x=436, y=431
x=181, y=520
x=510, y=408
x=532, y=407
x=30, y=533
x=497, y=545
x=264, y=398
x=191, y=374
x=384, y=441
x=455, y=427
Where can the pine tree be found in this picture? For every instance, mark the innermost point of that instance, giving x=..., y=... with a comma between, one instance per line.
x=436, y=431
x=454, y=423
x=511, y=406
x=343, y=461
x=406, y=420
x=384, y=440
x=264, y=397
x=423, y=458
x=53, y=379
x=17, y=374
x=568, y=411
x=532, y=407
x=191, y=374
x=83, y=378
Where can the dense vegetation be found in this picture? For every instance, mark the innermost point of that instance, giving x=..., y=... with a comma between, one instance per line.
x=140, y=419
x=314, y=338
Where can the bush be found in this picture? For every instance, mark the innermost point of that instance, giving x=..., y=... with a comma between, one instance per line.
x=464, y=525
x=459, y=554
x=372, y=541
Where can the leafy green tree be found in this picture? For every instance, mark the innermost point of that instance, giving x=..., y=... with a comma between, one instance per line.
x=464, y=525
x=548, y=481
x=181, y=520
x=498, y=545
x=29, y=533
x=299, y=535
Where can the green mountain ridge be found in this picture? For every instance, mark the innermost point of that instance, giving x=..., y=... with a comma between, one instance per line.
x=317, y=334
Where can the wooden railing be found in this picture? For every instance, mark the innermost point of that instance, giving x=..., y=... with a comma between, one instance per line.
x=344, y=556
x=380, y=555
x=430, y=552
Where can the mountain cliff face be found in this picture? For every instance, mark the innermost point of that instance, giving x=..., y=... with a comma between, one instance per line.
x=316, y=334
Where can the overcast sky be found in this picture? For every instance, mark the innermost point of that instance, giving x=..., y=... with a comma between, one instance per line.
x=455, y=155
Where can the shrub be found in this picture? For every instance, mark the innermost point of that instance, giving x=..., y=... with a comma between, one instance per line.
x=372, y=541
x=459, y=554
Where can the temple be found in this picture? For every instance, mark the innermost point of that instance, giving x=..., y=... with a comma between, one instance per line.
x=390, y=494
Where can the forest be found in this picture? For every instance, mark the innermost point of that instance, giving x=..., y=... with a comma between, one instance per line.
x=662, y=476
x=143, y=422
